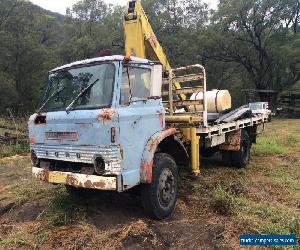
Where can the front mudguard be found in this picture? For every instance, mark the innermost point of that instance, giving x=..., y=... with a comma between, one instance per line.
x=149, y=151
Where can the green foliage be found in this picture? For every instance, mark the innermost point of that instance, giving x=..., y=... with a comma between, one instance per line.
x=242, y=43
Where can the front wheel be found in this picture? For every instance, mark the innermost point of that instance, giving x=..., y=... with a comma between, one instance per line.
x=159, y=197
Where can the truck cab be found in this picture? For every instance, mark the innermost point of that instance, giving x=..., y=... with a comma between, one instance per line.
x=100, y=124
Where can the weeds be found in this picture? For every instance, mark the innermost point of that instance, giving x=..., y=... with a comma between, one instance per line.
x=223, y=202
x=13, y=149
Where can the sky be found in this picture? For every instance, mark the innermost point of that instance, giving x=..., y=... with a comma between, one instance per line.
x=60, y=6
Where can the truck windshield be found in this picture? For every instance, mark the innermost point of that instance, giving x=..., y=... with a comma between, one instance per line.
x=64, y=86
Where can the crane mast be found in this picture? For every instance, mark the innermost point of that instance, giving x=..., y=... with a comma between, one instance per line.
x=140, y=40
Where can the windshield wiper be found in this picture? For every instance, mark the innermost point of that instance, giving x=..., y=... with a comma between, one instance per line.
x=50, y=98
x=69, y=108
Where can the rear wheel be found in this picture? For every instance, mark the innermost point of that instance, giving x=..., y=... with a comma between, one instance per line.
x=208, y=152
x=241, y=158
x=159, y=197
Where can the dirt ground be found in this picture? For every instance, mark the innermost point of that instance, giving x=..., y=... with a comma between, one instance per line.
x=211, y=212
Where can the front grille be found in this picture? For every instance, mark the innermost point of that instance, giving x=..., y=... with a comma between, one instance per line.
x=84, y=154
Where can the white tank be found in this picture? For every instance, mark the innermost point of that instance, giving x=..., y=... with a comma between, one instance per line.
x=217, y=101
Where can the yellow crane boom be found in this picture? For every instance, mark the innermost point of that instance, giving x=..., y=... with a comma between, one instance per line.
x=140, y=40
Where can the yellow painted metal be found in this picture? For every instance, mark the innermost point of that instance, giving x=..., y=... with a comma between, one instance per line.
x=179, y=119
x=186, y=133
x=195, y=155
x=57, y=177
x=140, y=39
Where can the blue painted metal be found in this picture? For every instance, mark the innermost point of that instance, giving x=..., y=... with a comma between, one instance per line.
x=135, y=126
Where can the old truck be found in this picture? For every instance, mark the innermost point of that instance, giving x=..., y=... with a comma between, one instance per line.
x=116, y=122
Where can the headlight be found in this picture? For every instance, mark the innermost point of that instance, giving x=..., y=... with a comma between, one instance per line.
x=99, y=165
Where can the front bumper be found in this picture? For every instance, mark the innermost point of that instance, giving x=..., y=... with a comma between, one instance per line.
x=76, y=180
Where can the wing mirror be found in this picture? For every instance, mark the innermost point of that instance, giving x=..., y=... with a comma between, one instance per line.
x=156, y=80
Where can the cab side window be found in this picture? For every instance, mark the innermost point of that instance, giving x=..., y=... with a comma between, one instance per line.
x=135, y=83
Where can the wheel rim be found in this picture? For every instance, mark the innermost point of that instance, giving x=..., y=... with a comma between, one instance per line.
x=167, y=188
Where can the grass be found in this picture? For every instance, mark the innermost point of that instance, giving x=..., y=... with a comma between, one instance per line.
x=57, y=209
x=268, y=146
x=277, y=219
x=13, y=149
x=264, y=198
x=223, y=202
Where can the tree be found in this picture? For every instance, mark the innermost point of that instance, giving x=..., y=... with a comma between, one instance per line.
x=245, y=32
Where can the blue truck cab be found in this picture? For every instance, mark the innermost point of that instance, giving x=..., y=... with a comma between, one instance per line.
x=102, y=126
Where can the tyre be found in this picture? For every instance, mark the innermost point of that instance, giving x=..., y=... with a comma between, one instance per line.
x=226, y=157
x=159, y=197
x=208, y=152
x=241, y=158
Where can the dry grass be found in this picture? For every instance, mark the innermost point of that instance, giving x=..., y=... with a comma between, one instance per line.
x=211, y=212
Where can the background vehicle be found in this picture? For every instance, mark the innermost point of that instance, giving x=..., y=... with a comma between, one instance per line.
x=115, y=122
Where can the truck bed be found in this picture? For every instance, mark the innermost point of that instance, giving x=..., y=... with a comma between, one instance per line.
x=223, y=128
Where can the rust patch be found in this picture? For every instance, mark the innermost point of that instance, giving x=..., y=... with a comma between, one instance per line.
x=147, y=163
x=100, y=185
x=149, y=172
x=146, y=171
x=32, y=140
x=152, y=144
x=106, y=115
x=168, y=132
x=161, y=120
x=84, y=125
x=88, y=184
x=95, y=185
x=233, y=141
x=72, y=181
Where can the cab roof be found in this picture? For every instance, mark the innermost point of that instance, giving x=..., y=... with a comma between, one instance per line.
x=100, y=59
